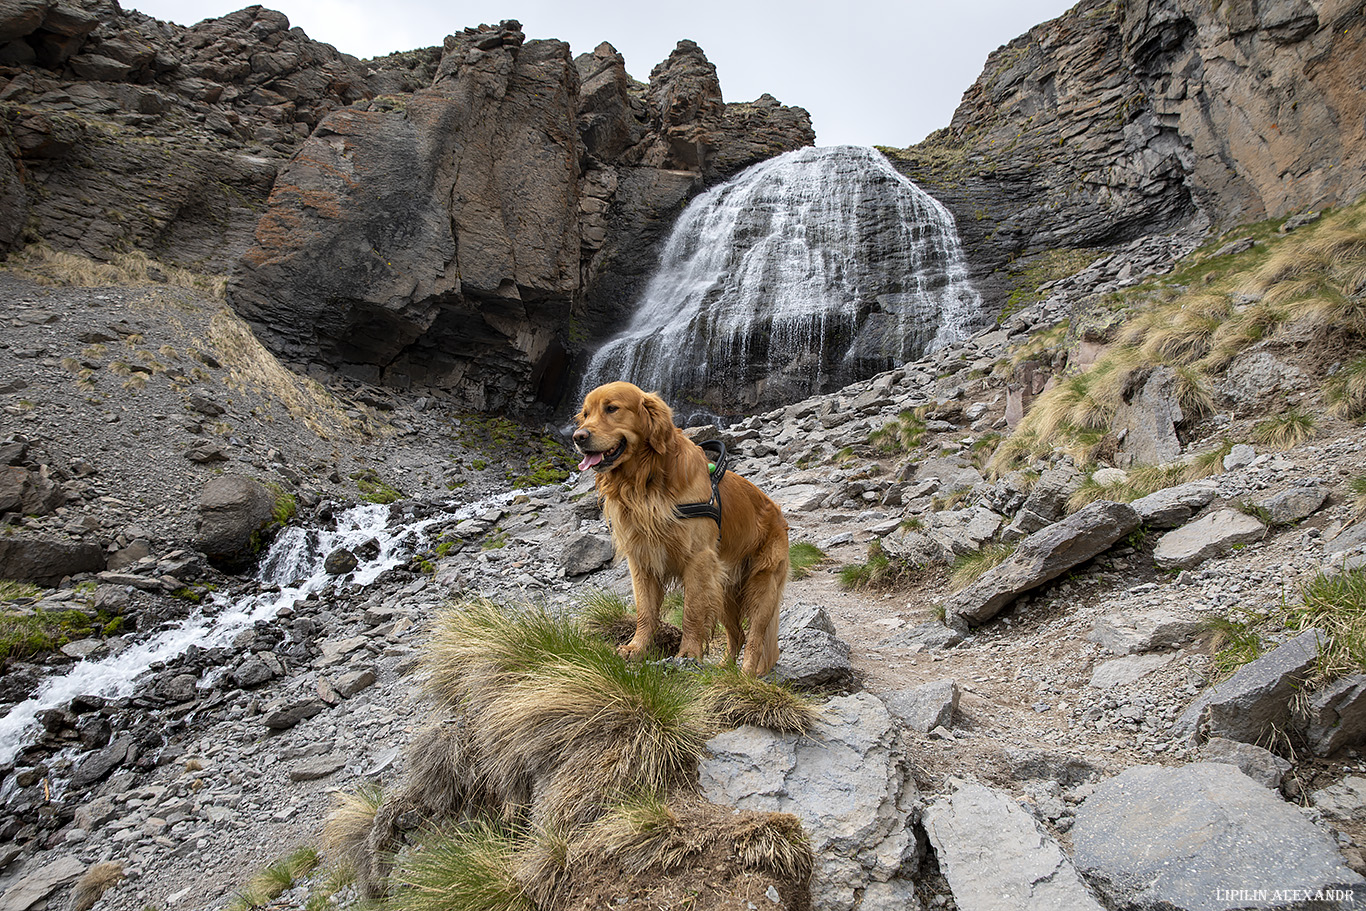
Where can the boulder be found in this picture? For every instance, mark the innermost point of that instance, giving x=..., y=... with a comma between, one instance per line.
x=1294, y=504
x=812, y=657
x=46, y=561
x=1202, y=837
x=930, y=634
x=1126, y=633
x=1127, y=670
x=926, y=707
x=288, y=713
x=234, y=514
x=340, y=562
x=1255, y=701
x=585, y=552
x=31, y=493
x=848, y=780
x=1043, y=556
x=1211, y=536
x=1335, y=716
x=1046, y=502
x=1147, y=420
x=1344, y=800
x=1170, y=506
x=1262, y=766
x=31, y=889
x=996, y=857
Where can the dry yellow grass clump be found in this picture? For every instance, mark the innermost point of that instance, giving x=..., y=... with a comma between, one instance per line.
x=1198, y=320
x=548, y=754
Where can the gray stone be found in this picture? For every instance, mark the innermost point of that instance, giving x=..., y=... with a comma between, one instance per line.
x=804, y=615
x=32, y=493
x=1210, y=536
x=1127, y=634
x=1335, y=716
x=353, y=682
x=926, y=707
x=1043, y=556
x=813, y=657
x=996, y=857
x=849, y=782
x=1196, y=838
x=1170, y=506
x=1294, y=504
x=952, y=472
x=340, y=562
x=800, y=497
x=1256, y=700
x=252, y=672
x=97, y=766
x=1349, y=538
x=286, y=715
x=1262, y=766
x=46, y=561
x=963, y=531
x=1047, y=501
x=33, y=887
x=1147, y=420
x=585, y=552
x=1240, y=456
x=1123, y=671
x=930, y=634
x=317, y=767
x=1344, y=800
x=234, y=513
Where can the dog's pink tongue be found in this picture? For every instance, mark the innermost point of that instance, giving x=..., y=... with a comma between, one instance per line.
x=590, y=460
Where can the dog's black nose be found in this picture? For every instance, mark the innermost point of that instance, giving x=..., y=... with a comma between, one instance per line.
x=580, y=435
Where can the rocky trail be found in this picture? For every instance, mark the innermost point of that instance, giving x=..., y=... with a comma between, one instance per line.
x=226, y=758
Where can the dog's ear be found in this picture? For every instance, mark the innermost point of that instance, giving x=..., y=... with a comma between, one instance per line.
x=659, y=421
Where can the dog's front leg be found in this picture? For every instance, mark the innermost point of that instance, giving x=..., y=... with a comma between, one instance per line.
x=649, y=592
x=701, y=603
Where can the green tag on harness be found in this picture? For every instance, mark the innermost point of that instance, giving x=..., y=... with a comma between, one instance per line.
x=711, y=466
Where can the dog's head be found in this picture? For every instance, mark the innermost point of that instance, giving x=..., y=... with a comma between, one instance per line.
x=620, y=422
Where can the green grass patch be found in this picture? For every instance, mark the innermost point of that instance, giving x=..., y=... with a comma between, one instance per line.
x=1285, y=430
x=802, y=557
x=471, y=868
x=901, y=435
x=1335, y=604
x=27, y=633
x=268, y=884
x=880, y=571
x=968, y=568
x=374, y=490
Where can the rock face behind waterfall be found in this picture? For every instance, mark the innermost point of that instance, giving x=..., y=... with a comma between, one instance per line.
x=800, y=275
x=451, y=237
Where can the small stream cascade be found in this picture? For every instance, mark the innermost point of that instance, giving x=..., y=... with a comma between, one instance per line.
x=291, y=568
x=802, y=274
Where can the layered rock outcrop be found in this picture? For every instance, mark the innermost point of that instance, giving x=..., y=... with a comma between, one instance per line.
x=1118, y=120
x=472, y=235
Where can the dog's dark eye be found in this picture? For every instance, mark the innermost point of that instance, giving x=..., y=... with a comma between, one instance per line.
x=610, y=409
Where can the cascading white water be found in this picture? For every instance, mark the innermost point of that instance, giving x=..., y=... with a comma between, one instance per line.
x=812, y=268
x=294, y=562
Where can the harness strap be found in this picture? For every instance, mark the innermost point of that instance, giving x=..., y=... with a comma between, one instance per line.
x=716, y=454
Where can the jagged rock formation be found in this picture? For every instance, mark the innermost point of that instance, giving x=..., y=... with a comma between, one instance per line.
x=1118, y=120
x=124, y=132
x=471, y=235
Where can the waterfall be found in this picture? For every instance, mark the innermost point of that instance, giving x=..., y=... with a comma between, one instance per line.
x=804, y=272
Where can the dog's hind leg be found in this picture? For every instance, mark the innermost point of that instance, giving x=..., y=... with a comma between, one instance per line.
x=730, y=619
x=649, y=594
x=761, y=596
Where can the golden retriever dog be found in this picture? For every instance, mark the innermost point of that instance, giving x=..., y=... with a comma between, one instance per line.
x=646, y=468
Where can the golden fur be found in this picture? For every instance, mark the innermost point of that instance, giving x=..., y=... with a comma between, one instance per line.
x=645, y=467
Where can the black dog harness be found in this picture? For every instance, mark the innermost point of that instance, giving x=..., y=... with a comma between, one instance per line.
x=716, y=454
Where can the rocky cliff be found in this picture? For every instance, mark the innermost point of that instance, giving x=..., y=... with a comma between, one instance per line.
x=471, y=236
x=1122, y=119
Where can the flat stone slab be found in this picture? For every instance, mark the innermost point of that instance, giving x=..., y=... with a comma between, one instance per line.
x=1126, y=633
x=1171, y=506
x=1123, y=671
x=847, y=780
x=1204, y=837
x=1210, y=536
x=996, y=857
x=1262, y=766
x=1044, y=556
x=1294, y=504
x=926, y=707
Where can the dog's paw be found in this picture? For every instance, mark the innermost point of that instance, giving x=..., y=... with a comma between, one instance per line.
x=632, y=651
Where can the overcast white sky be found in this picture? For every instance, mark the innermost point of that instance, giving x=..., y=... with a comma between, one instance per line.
x=884, y=72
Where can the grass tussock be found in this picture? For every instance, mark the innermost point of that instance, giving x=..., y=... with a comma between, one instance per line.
x=1235, y=640
x=901, y=435
x=968, y=568
x=1345, y=391
x=267, y=885
x=470, y=868
x=1285, y=430
x=736, y=698
x=251, y=365
x=880, y=571
x=802, y=557
x=94, y=883
x=352, y=817
x=1335, y=604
